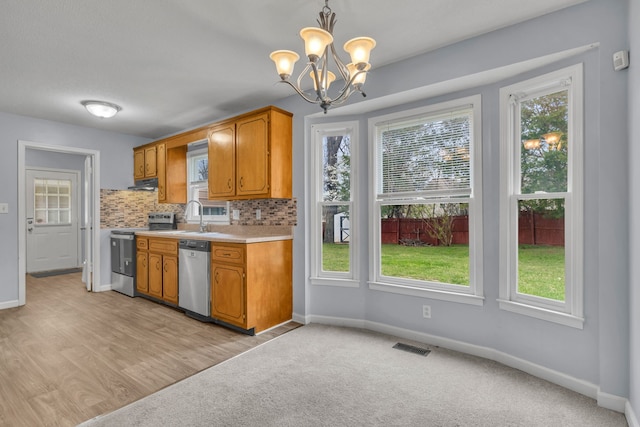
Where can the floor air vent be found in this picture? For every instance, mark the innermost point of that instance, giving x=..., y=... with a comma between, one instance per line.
x=412, y=349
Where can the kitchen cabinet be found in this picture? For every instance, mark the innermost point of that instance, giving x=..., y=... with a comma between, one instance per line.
x=157, y=268
x=172, y=173
x=252, y=155
x=251, y=284
x=145, y=162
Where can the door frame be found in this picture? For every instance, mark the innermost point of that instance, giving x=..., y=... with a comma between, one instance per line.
x=95, y=202
x=78, y=201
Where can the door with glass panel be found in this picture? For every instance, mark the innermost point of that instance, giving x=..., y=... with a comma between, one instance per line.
x=52, y=220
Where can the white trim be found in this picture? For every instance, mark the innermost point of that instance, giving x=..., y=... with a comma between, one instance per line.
x=583, y=387
x=22, y=147
x=317, y=132
x=443, y=295
x=334, y=281
x=611, y=401
x=632, y=419
x=569, y=312
x=542, y=313
x=474, y=293
x=9, y=304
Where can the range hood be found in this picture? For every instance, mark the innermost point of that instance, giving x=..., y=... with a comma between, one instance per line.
x=148, y=184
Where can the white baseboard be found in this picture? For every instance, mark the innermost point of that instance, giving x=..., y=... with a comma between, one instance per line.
x=103, y=288
x=608, y=401
x=300, y=318
x=632, y=419
x=9, y=304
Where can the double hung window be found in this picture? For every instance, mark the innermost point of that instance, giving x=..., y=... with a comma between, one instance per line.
x=426, y=202
x=541, y=197
x=198, y=172
x=333, y=216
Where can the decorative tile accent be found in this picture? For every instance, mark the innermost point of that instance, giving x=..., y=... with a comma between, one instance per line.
x=272, y=212
x=129, y=209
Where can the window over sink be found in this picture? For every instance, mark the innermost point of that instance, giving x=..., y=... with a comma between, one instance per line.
x=213, y=211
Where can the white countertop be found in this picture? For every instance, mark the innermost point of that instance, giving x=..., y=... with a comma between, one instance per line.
x=227, y=234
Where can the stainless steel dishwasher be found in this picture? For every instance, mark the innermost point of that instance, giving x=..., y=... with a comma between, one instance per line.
x=194, y=287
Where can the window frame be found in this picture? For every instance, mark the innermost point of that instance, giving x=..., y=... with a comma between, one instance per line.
x=194, y=187
x=569, y=312
x=472, y=294
x=318, y=275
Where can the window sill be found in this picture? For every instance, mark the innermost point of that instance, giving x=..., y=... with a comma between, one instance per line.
x=542, y=313
x=427, y=293
x=341, y=283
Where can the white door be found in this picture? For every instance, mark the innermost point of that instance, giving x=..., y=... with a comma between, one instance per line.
x=52, y=207
x=87, y=227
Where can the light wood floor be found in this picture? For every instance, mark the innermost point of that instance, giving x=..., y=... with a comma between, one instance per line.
x=69, y=355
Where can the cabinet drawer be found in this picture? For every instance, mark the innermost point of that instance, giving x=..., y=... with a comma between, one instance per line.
x=165, y=246
x=230, y=254
x=142, y=243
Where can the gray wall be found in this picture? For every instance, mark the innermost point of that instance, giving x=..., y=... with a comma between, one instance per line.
x=116, y=161
x=634, y=180
x=598, y=354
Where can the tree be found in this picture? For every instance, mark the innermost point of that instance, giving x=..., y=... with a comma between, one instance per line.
x=336, y=179
x=543, y=166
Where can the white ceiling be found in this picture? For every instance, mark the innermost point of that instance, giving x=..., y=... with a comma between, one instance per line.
x=176, y=64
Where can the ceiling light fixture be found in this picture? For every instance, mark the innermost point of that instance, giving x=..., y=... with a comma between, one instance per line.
x=101, y=109
x=318, y=43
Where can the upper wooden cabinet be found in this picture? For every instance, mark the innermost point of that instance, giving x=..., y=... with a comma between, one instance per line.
x=145, y=163
x=250, y=156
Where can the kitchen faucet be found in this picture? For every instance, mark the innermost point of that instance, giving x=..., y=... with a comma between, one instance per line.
x=186, y=209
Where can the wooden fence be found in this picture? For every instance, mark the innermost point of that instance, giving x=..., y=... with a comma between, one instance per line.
x=533, y=230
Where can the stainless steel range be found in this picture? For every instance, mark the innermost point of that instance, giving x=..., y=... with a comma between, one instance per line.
x=123, y=251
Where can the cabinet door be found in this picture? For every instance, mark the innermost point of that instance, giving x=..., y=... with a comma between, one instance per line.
x=252, y=154
x=150, y=162
x=142, y=272
x=161, y=164
x=170, y=279
x=228, y=294
x=222, y=156
x=155, y=275
x=138, y=164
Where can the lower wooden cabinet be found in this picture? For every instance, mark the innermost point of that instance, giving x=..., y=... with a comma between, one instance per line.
x=251, y=284
x=157, y=268
x=228, y=295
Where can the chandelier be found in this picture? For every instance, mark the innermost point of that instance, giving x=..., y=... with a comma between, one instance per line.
x=319, y=48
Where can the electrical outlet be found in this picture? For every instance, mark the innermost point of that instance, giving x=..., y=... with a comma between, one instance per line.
x=4, y=208
x=258, y=214
x=426, y=311
x=236, y=214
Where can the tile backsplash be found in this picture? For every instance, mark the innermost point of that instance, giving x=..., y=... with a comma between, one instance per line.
x=129, y=209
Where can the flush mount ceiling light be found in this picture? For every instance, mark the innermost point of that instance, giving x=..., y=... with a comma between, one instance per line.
x=101, y=109
x=319, y=47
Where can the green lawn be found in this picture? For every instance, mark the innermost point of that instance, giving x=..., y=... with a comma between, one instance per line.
x=541, y=268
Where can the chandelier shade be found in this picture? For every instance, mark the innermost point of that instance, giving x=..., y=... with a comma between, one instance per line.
x=285, y=60
x=321, y=55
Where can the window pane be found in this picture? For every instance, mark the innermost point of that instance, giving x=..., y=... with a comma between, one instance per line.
x=52, y=202
x=64, y=217
x=52, y=217
x=541, y=255
x=544, y=149
x=64, y=202
x=426, y=154
x=427, y=242
x=41, y=216
x=336, y=233
x=336, y=167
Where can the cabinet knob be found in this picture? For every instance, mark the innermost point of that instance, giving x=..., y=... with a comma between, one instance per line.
x=217, y=277
x=229, y=183
x=241, y=181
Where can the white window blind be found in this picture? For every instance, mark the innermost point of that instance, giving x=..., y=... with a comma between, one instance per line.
x=428, y=155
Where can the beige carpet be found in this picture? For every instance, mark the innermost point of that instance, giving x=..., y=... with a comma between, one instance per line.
x=329, y=376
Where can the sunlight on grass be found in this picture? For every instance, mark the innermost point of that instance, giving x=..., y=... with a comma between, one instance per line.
x=540, y=272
